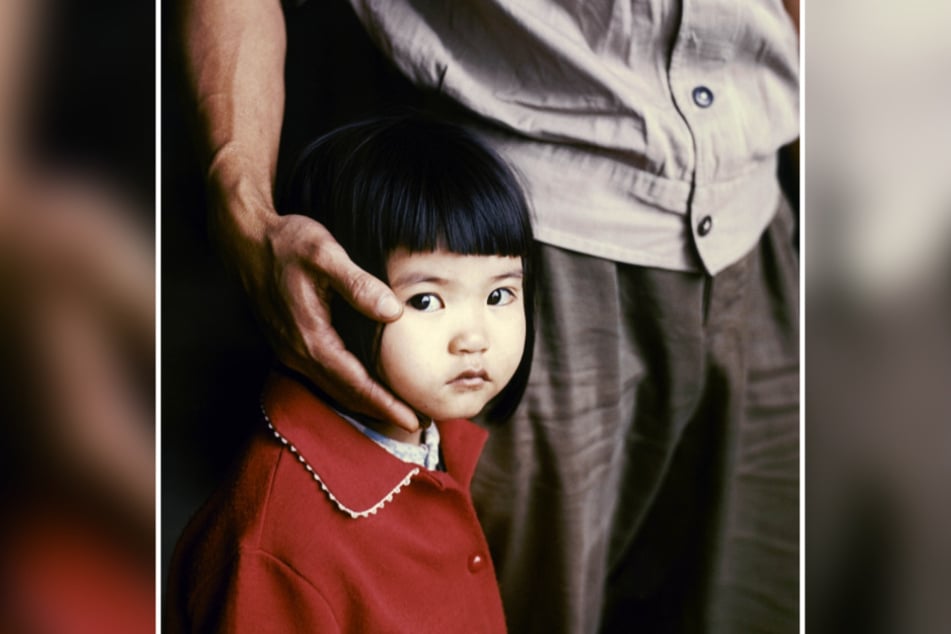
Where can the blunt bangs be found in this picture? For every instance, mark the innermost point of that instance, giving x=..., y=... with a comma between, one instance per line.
x=415, y=183
x=422, y=185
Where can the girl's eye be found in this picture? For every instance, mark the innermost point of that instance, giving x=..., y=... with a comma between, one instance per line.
x=425, y=302
x=500, y=297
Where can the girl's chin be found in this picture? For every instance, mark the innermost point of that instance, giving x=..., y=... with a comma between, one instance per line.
x=448, y=413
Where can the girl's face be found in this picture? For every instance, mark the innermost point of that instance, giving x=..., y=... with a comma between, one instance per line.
x=462, y=332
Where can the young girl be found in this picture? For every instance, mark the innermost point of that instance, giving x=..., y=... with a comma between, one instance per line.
x=336, y=522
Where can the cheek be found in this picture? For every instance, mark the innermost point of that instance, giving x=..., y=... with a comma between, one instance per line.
x=391, y=351
x=512, y=337
x=404, y=348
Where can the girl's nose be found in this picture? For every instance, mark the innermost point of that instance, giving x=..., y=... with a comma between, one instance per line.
x=469, y=339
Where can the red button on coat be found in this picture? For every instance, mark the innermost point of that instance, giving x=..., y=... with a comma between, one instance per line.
x=476, y=563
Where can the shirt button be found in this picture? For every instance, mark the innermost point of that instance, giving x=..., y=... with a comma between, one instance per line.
x=476, y=563
x=706, y=224
x=703, y=96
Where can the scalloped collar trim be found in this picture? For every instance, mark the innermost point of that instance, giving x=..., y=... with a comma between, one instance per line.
x=355, y=514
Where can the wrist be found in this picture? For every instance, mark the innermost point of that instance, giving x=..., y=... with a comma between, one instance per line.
x=241, y=197
x=241, y=212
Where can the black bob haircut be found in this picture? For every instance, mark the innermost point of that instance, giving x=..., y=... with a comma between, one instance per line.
x=414, y=182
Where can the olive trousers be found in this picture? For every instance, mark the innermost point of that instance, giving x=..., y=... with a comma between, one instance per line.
x=649, y=480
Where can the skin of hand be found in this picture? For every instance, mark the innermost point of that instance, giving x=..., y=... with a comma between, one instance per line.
x=297, y=270
x=289, y=265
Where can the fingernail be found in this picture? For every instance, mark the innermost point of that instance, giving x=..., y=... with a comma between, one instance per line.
x=388, y=307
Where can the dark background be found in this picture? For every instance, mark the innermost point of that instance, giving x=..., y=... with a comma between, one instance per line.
x=214, y=359
x=94, y=106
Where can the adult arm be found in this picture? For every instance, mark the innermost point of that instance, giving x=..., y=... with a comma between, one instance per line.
x=288, y=264
x=792, y=8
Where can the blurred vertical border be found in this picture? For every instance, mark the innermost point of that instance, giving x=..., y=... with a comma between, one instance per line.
x=77, y=541
x=878, y=317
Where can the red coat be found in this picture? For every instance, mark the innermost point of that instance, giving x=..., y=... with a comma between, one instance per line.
x=276, y=551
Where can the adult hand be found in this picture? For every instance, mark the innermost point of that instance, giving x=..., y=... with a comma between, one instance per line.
x=291, y=276
x=290, y=265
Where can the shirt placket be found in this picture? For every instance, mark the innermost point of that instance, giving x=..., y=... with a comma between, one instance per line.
x=700, y=89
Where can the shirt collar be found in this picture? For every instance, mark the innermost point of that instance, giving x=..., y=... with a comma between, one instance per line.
x=424, y=453
x=338, y=455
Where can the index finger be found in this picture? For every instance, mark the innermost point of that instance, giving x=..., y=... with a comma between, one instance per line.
x=361, y=290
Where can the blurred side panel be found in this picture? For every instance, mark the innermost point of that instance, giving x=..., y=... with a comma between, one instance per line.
x=878, y=316
x=77, y=316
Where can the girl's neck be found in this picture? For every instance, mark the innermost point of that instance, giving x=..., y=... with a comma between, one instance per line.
x=392, y=431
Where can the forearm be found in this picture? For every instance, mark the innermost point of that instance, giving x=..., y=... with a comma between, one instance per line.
x=235, y=51
x=20, y=42
x=792, y=8
x=289, y=265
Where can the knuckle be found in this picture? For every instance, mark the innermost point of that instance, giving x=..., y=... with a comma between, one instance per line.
x=326, y=254
x=360, y=285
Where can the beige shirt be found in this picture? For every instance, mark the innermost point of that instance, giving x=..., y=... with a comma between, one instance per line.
x=646, y=132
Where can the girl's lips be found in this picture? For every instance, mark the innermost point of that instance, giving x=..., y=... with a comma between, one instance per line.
x=470, y=379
